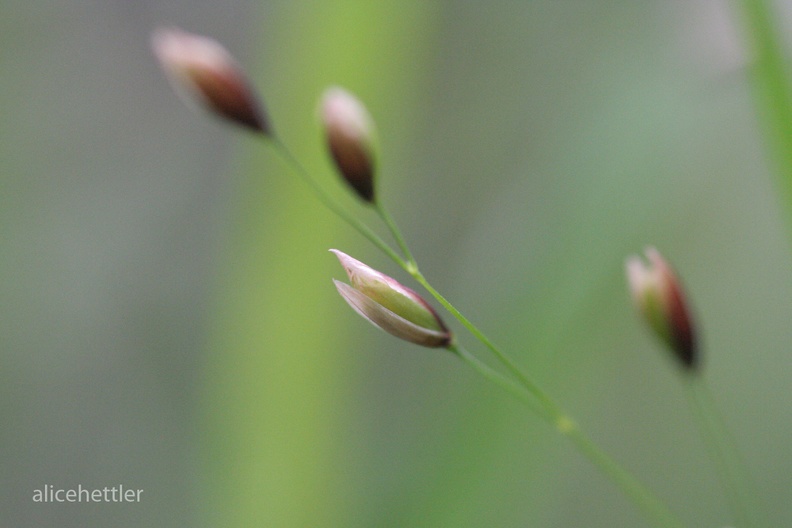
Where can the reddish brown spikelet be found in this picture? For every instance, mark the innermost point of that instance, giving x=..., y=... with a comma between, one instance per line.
x=659, y=297
x=348, y=130
x=201, y=70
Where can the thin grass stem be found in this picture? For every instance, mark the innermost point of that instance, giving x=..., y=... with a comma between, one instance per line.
x=504, y=359
x=722, y=447
x=565, y=425
x=329, y=202
x=412, y=265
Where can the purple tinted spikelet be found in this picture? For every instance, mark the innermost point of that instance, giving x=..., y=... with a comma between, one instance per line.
x=391, y=306
x=201, y=70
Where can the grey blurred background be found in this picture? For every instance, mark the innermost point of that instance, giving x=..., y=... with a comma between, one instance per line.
x=168, y=319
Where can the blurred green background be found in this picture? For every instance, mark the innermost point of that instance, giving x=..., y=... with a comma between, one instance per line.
x=169, y=322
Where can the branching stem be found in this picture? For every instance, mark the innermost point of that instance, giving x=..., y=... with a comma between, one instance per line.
x=565, y=425
x=517, y=383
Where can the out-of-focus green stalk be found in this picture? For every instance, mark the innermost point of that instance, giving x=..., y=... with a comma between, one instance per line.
x=770, y=73
x=279, y=379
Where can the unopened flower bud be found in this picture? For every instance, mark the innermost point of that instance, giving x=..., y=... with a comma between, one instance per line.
x=348, y=129
x=201, y=70
x=390, y=306
x=658, y=295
